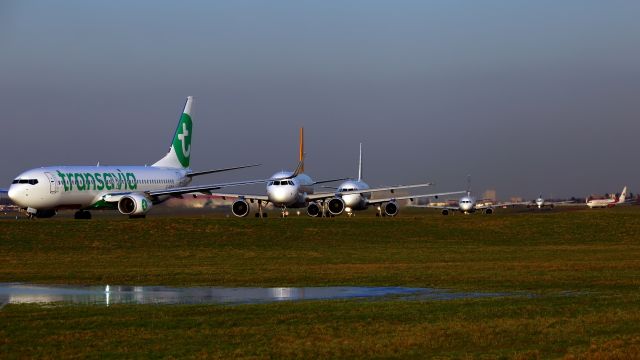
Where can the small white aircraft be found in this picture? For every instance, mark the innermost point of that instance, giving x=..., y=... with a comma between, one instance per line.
x=541, y=203
x=607, y=203
x=385, y=206
x=287, y=190
x=132, y=190
x=466, y=205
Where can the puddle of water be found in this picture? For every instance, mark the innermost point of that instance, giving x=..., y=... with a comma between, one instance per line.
x=17, y=293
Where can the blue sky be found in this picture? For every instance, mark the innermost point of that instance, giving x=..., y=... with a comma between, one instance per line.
x=527, y=96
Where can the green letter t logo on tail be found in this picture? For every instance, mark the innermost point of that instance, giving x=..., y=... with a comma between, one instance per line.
x=180, y=151
x=182, y=140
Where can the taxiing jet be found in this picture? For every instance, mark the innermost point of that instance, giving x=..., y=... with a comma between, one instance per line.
x=541, y=203
x=466, y=205
x=132, y=190
x=295, y=190
x=607, y=203
x=385, y=206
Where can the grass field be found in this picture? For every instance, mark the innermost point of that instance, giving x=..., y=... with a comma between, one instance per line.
x=580, y=271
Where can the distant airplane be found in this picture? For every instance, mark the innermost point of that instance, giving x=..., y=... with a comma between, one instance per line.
x=466, y=205
x=295, y=190
x=132, y=190
x=541, y=203
x=606, y=203
x=362, y=201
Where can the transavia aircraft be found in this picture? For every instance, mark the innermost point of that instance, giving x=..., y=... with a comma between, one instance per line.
x=604, y=203
x=132, y=190
x=362, y=201
x=287, y=190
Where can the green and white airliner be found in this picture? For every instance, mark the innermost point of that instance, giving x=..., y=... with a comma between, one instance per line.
x=132, y=190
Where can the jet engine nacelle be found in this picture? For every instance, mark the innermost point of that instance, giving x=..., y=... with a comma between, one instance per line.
x=488, y=211
x=335, y=206
x=134, y=204
x=391, y=208
x=240, y=208
x=445, y=212
x=313, y=209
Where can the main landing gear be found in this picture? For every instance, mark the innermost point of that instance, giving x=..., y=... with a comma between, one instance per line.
x=261, y=214
x=82, y=215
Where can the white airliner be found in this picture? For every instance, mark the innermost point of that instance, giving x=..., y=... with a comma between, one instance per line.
x=132, y=190
x=287, y=190
x=466, y=205
x=541, y=203
x=362, y=201
x=606, y=203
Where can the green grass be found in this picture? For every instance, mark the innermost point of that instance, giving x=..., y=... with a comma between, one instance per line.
x=595, y=254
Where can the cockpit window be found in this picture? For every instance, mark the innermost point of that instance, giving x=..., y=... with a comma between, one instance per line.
x=25, y=181
x=277, y=182
x=289, y=182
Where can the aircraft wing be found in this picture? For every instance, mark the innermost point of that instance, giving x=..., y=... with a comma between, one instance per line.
x=438, y=207
x=205, y=189
x=486, y=206
x=326, y=195
x=328, y=181
x=411, y=197
x=242, y=196
x=566, y=203
x=198, y=173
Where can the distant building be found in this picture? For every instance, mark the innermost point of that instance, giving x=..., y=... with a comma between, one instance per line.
x=489, y=195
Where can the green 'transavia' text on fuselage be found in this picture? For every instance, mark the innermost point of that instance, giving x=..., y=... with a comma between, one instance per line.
x=88, y=181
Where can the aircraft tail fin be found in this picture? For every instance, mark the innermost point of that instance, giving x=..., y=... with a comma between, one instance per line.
x=623, y=195
x=179, y=154
x=360, y=164
x=301, y=153
x=299, y=169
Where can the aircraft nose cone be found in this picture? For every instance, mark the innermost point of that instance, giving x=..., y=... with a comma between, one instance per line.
x=351, y=200
x=15, y=194
x=281, y=195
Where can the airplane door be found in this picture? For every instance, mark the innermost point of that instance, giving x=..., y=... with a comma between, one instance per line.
x=53, y=183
